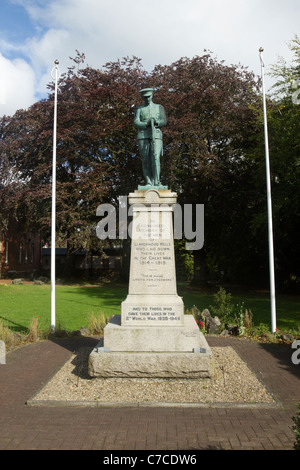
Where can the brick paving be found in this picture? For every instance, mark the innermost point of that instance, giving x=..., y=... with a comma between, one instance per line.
x=173, y=428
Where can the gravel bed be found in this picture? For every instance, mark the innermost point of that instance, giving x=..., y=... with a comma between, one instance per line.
x=233, y=382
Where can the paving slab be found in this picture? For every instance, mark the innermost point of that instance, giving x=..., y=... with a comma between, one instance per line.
x=178, y=428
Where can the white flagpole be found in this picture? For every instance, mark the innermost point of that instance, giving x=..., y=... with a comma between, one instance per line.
x=53, y=217
x=270, y=223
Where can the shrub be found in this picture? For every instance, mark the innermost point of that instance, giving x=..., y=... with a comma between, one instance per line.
x=243, y=318
x=200, y=320
x=10, y=338
x=262, y=329
x=223, y=307
x=97, y=323
x=248, y=324
x=34, y=332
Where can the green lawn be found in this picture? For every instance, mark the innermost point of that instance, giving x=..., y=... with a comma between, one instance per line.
x=74, y=304
x=19, y=303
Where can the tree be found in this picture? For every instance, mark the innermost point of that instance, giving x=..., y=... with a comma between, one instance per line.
x=211, y=124
x=94, y=146
x=211, y=130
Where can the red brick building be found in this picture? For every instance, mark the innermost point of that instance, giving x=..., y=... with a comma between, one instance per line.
x=20, y=253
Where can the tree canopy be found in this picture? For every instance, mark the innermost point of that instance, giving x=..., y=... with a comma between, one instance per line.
x=213, y=155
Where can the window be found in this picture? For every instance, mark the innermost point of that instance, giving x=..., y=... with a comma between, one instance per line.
x=32, y=253
x=6, y=252
x=20, y=252
x=26, y=252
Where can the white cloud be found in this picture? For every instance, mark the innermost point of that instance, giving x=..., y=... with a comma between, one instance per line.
x=164, y=30
x=43, y=52
x=17, y=88
x=158, y=32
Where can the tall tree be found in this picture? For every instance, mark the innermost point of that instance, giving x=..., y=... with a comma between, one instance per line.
x=211, y=117
x=211, y=127
x=94, y=150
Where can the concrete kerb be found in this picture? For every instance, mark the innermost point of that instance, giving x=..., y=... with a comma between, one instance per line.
x=108, y=404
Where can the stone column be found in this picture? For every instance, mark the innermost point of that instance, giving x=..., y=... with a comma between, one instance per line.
x=152, y=295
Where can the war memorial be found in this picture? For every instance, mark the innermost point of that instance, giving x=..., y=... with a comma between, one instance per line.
x=152, y=337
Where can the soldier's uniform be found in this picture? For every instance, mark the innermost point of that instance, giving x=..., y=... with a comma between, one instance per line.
x=148, y=120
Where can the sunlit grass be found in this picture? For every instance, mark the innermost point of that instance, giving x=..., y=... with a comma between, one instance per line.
x=75, y=305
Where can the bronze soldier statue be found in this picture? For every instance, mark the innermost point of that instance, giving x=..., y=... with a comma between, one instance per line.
x=149, y=118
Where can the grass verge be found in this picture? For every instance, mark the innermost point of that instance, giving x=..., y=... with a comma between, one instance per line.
x=81, y=306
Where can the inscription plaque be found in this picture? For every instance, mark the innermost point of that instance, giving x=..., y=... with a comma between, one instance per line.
x=152, y=293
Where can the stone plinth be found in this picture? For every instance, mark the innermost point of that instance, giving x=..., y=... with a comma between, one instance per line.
x=150, y=365
x=184, y=338
x=152, y=337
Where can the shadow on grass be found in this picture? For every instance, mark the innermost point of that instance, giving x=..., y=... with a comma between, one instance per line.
x=107, y=297
x=14, y=326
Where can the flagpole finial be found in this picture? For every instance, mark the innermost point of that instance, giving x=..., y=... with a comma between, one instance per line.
x=261, y=50
x=55, y=73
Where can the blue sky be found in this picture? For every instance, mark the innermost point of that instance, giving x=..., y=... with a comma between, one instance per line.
x=15, y=24
x=33, y=33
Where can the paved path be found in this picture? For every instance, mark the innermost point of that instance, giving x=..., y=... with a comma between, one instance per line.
x=144, y=428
